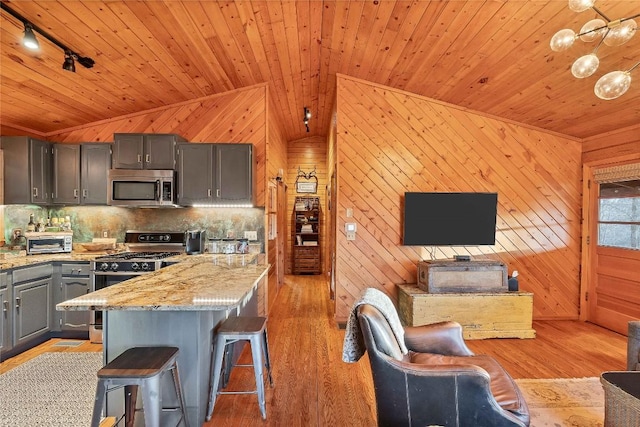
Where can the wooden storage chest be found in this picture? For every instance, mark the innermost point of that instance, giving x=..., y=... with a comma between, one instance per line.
x=439, y=276
x=482, y=315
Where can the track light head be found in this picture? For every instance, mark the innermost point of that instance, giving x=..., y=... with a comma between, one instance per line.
x=69, y=64
x=29, y=40
x=306, y=117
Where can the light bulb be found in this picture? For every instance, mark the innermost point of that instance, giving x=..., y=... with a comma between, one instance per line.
x=580, y=5
x=589, y=27
x=621, y=34
x=562, y=40
x=29, y=40
x=612, y=85
x=585, y=66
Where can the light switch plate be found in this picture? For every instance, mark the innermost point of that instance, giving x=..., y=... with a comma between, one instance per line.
x=350, y=229
x=251, y=235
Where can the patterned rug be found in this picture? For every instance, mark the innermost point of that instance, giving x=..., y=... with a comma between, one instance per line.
x=53, y=389
x=564, y=402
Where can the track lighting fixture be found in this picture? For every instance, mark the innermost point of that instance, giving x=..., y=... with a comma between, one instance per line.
x=29, y=40
x=68, y=64
x=306, y=117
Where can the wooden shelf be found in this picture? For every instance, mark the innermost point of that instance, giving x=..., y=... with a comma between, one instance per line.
x=306, y=258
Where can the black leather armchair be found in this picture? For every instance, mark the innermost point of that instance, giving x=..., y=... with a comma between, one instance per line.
x=440, y=381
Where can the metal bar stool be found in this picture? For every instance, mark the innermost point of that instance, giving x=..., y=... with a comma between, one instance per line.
x=233, y=329
x=140, y=366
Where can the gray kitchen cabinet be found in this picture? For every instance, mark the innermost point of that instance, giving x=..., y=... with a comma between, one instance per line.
x=234, y=173
x=32, y=303
x=215, y=174
x=95, y=162
x=27, y=170
x=5, y=314
x=66, y=174
x=145, y=150
x=80, y=173
x=195, y=174
x=71, y=280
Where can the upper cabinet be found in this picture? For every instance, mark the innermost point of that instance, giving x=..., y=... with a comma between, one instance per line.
x=66, y=174
x=80, y=173
x=215, y=174
x=95, y=162
x=27, y=170
x=145, y=151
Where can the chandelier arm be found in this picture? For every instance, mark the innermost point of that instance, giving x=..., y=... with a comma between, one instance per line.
x=600, y=13
x=634, y=67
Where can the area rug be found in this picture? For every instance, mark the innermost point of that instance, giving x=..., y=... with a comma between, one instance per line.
x=53, y=389
x=564, y=402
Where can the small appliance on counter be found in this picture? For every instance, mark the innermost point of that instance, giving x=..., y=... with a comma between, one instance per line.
x=48, y=242
x=194, y=241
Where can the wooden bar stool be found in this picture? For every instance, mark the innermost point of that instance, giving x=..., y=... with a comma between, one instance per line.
x=254, y=330
x=140, y=366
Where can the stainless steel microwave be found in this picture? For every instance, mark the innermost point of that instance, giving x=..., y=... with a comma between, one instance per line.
x=148, y=188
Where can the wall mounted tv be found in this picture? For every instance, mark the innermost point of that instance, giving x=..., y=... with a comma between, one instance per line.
x=450, y=219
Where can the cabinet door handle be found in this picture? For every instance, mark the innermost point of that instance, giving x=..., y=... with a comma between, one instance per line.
x=147, y=158
x=35, y=192
x=139, y=158
x=209, y=192
x=218, y=193
x=5, y=306
x=75, y=193
x=17, y=303
x=85, y=193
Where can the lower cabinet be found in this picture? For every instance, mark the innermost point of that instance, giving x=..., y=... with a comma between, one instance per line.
x=32, y=310
x=27, y=305
x=5, y=314
x=71, y=280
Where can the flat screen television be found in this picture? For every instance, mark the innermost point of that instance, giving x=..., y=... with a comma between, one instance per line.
x=450, y=219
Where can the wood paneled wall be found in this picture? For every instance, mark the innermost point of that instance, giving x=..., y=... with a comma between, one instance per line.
x=307, y=154
x=389, y=142
x=618, y=146
x=276, y=159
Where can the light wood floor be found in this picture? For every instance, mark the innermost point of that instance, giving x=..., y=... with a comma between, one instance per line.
x=313, y=387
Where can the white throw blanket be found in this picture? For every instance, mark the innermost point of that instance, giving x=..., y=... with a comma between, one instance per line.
x=353, y=347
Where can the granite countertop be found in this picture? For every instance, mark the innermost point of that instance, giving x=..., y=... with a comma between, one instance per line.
x=196, y=282
x=23, y=260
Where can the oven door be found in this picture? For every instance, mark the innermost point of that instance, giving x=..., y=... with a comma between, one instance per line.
x=102, y=280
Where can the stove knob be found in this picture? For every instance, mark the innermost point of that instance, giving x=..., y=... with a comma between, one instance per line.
x=104, y=266
x=145, y=266
x=135, y=266
x=167, y=238
x=114, y=266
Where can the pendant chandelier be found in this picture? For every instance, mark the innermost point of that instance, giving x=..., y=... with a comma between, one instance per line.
x=610, y=32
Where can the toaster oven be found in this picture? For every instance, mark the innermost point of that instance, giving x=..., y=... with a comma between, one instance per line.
x=49, y=242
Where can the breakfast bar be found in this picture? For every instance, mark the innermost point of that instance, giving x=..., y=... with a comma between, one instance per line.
x=179, y=305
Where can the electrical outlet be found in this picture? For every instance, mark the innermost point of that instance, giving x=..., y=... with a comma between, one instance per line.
x=251, y=235
x=105, y=233
x=17, y=232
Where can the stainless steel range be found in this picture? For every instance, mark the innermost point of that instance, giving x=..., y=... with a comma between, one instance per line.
x=147, y=252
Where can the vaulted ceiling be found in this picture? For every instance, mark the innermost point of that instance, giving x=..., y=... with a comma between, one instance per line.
x=491, y=56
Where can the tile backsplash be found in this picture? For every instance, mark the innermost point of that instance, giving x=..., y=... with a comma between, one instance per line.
x=88, y=222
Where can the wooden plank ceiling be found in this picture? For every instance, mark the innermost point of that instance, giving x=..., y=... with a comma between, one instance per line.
x=490, y=56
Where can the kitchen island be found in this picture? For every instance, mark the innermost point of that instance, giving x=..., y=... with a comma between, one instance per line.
x=179, y=305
